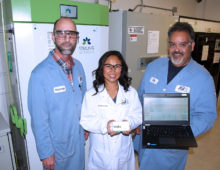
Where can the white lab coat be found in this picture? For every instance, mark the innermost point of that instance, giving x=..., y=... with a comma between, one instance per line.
x=106, y=152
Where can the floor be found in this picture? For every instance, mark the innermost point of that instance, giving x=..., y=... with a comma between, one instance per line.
x=207, y=154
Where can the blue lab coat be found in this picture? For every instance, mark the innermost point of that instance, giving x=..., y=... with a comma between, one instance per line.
x=55, y=108
x=197, y=81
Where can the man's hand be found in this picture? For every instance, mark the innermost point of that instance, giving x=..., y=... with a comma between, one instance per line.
x=138, y=130
x=49, y=163
x=126, y=132
x=86, y=134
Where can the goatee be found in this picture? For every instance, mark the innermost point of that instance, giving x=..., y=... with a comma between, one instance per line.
x=66, y=51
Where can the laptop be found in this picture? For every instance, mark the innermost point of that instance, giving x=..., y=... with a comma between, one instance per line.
x=166, y=121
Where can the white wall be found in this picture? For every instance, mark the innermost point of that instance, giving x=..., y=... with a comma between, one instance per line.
x=184, y=7
x=206, y=9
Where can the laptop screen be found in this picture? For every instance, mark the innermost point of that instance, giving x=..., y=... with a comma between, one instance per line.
x=165, y=107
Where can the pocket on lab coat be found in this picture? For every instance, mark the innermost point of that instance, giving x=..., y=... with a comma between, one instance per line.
x=64, y=149
x=126, y=152
x=99, y=159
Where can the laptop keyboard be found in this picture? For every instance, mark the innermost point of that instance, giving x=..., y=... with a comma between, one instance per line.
x=167, y=131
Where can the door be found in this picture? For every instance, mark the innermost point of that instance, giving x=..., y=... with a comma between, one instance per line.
x=19, y=141
x=206, y=53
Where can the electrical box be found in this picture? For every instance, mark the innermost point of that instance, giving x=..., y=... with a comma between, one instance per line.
x=7, y=161
x=143, y=62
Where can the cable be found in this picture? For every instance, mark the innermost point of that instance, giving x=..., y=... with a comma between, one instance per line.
x=110, y=5
x=173, y=10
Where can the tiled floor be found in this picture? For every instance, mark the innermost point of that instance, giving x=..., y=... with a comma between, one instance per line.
x=207, y=155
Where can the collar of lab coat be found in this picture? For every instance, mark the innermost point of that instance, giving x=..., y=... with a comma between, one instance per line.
x=120, y=95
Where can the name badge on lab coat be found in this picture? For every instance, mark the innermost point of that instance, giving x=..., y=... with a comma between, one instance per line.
x=124, y=101
x=59, y=89
x=102, y=105
x=154, y=80
x=182, y=89
x=80, y=79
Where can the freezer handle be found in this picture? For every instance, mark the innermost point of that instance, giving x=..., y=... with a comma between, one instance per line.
x=9, y=62
x=19, y=122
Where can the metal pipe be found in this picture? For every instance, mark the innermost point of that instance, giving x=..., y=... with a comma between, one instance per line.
x=173, y=10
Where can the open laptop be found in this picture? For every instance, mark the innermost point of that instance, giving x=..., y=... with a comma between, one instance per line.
x=166, y=121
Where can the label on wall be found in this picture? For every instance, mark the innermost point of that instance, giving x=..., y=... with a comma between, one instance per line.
x=136, y=30
x=133, y=37
x=153, y=42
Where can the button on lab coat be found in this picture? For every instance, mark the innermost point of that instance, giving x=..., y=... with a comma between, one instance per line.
x=110, y=152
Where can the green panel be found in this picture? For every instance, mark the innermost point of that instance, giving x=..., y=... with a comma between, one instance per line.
x=21, y=10
x=48, y=11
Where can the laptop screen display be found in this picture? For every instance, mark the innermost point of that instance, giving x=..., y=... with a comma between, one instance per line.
x=163, y=108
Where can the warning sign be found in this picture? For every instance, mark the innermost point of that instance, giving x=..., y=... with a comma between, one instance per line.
x=136, y=30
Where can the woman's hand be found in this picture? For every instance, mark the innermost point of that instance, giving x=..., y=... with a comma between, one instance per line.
x=111, y=133
x=126, y=132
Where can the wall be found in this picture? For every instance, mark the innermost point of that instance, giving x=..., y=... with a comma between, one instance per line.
x=183, y=6
x=206, y=9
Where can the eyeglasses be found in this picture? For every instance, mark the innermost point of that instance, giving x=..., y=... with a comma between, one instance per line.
x=181, y=45
x=63, y=33
x=116, y=67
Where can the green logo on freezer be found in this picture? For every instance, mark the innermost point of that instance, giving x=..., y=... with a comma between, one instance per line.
x=86, y=47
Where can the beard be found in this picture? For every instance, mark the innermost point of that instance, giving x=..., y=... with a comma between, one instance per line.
x=66, y=51
x=178, y=60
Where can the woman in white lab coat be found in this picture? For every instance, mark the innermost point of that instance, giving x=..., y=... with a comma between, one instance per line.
x=111, y=99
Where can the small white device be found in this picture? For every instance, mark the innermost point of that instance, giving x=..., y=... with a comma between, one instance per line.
x=120, y=126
